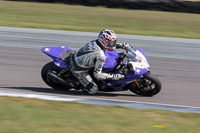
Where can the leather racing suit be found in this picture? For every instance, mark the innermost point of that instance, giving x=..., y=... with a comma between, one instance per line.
x=90, y=56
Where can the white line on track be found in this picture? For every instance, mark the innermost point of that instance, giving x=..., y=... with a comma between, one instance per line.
x=100, y=101
x=38, y=96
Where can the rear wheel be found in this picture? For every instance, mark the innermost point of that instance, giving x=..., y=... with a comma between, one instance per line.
x=45, y=74
x=148, y=86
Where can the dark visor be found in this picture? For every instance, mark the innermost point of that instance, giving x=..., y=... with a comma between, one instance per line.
x=112, y=43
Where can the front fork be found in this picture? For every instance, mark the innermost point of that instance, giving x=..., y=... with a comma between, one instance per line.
x=137, y=84
x=141, y=83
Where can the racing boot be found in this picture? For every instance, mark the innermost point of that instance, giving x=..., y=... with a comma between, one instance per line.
x=91, y=89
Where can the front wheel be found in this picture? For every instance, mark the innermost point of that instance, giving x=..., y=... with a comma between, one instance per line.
x=149, y=85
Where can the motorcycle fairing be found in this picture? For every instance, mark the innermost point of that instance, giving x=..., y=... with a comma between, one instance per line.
x=111, y=60
x=118, y=84
x=61, y=64
x=140, y=68
x=55, y=53
x=142, y=52
x=140, y=71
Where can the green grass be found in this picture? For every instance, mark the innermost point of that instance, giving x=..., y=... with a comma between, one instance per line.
x=20, y=115
x=94, y=19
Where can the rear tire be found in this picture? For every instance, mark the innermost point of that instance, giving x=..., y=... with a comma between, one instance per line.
x=52, y=67
x=148, y=86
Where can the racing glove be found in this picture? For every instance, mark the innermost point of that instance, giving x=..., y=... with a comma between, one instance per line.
x=117, y=76
x=122, y=45
x=125, y=45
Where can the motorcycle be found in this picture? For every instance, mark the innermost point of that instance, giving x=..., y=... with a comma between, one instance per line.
x=133, y=64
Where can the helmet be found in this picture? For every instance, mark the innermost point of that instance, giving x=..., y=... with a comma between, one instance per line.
x=107, y=38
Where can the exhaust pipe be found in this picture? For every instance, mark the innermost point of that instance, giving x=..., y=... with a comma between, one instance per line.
x=69, y=82
x=53, y=77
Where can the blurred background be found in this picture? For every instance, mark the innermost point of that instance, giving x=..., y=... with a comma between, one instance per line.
x=167, y=31
x=189, y=6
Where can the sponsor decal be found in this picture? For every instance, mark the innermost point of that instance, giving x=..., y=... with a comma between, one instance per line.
x=138, y=70
x=90, y=46
x=109, y=84
x=138, y=58
x=47, y=49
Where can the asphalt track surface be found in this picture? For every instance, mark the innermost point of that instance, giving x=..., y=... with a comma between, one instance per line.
x=175, y=61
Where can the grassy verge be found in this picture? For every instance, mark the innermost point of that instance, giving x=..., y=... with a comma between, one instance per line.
x=20, y=115
x=81, y=18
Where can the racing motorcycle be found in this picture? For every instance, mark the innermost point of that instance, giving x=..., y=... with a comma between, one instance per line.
x=133, y=64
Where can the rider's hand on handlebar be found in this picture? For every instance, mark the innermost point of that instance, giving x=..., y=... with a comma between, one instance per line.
x=122, y=45
x=125, y=45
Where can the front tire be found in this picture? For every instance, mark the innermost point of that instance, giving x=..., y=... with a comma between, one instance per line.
x=148, y=86
x=51, y=67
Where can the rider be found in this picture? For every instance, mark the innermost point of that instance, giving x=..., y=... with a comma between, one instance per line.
x=92, y=56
